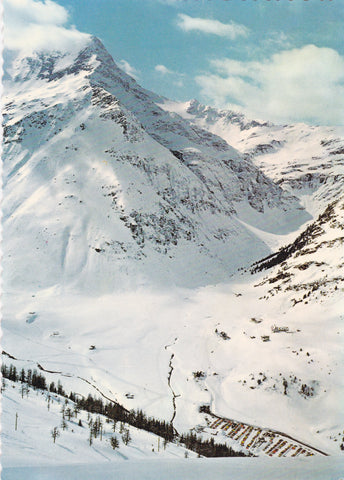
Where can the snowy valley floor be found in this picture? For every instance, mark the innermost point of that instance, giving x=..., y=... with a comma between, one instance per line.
x=212, y=339
x=189, y=348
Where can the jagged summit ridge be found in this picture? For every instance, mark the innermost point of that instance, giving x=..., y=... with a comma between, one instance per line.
x=211, y=114
x=306, y=161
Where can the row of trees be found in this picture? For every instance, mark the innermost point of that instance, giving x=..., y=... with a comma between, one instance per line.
x=32, y=378
x=117, y=413
x=208, y=448
x=136, y=418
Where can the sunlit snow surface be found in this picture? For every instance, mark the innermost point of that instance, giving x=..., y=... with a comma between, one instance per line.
x=123, y=224
x=136, y=333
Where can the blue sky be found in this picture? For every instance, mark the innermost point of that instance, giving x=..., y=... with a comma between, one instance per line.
x=276, y=59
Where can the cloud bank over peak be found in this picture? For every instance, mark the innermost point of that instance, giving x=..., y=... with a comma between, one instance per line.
x=305, y=82
x=39, y=25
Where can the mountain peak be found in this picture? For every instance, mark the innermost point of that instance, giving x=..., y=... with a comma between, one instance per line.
x=52, y=65
x=168, y=190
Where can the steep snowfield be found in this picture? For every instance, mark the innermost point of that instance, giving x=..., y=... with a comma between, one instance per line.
x=106, y=187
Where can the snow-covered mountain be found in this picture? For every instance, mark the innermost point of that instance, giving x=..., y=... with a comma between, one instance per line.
x=125, y=219
x=312, y=265
x=105, y=186
x=307, y=161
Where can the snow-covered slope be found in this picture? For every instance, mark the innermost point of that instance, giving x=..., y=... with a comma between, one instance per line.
x=312, y=266
x=38, y=413
x=105, y=187
x=172, y=353
x=265, y=350
x=123, y=213
x=307, y=161
x=29, y=452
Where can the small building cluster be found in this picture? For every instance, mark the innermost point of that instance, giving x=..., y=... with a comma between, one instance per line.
x=276, y=329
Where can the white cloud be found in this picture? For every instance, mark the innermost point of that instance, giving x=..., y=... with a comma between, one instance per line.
x=29, y=11
x=176, y=77
x=231, y=30
x=302, y=84
x=278, y=40
x=39, y=24
x=178, y=83
x=162, y=69
x=129, y=69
